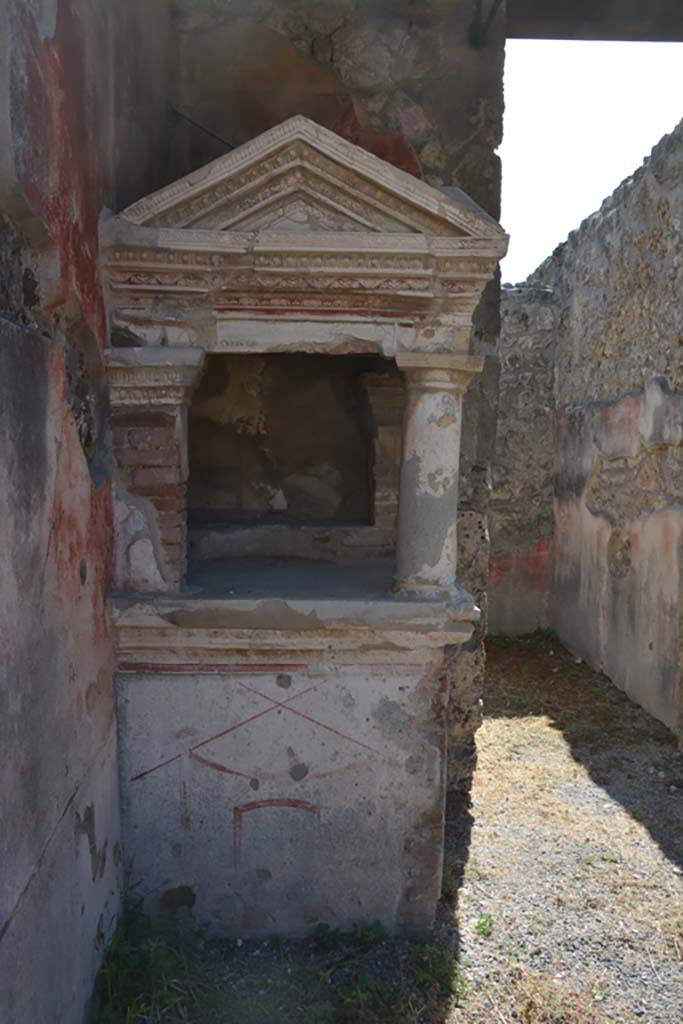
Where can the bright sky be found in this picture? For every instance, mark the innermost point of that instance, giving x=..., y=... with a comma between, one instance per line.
x=579, y=118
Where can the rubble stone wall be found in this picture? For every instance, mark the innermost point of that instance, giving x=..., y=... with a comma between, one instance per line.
x=615, y=597
x=521, y=512
x=62, y=158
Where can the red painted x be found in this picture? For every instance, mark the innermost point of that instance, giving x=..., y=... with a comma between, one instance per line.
x=274, y=705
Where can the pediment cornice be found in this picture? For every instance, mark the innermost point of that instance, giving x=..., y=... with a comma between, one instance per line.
x=300, y=156
x=302, y=225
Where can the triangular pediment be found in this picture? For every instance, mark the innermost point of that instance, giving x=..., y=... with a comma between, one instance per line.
x=300, y=211
x=299, y=177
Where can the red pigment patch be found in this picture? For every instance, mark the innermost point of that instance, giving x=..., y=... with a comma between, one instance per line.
x=531, y=564
x=669, y=546
x=80, y=519
x=619, y=426
x=60, y=176
x=389, y=146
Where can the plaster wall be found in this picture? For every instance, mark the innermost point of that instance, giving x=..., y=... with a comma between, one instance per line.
x=262, y=804
x=615, y=595
x=280, y=826
x=618, y=498
x=67, y=71
x=59, y=845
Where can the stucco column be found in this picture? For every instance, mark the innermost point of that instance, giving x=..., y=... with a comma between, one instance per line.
x=426, y=548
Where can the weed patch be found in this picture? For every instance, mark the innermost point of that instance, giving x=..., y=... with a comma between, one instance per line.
x=145, y=977
x=484, y=925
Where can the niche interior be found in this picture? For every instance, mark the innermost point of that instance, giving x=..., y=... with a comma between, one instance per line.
x=285, y=459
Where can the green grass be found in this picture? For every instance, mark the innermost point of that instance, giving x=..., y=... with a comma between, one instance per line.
x=436, y=971
x=145, y=975
x=153, y=975
x=484, y=925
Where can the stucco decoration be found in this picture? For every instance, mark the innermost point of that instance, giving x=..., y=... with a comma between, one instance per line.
x=297, y=241
x=300, y=225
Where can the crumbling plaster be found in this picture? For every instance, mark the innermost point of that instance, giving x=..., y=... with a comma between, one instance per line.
x=303, y=782
x=267, y=246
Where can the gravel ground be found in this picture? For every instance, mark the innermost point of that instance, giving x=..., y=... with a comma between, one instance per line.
x=574, y=877
x=563, y=903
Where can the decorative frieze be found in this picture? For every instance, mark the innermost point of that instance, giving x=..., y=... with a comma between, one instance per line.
x=300, y=221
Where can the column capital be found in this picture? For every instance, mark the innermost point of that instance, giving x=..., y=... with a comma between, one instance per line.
x=439, y=371
x=153, y=376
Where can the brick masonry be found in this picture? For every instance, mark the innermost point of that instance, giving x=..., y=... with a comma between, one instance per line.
x=151, y=463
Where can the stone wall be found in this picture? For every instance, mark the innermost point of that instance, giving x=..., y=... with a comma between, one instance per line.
x=618, y=492
x=400, y=79
x=521, y=514
x=69, y=72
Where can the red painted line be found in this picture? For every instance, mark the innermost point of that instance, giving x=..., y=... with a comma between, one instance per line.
x=148, y=771
x=322, y=311
x=218, y=767
x=413, y=666
x=278, y=703
x=219, y=735
x=336, y=732
x=220, y=668
x=190, y=750
x=301, y=693
x=337, y=771
x=204, y=668
x=274, y=704
x=308, y=718
x=231, y=728
x=257, y=805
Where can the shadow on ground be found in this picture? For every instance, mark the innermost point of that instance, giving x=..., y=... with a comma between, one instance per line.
x=154, y=975
x=626, y=752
